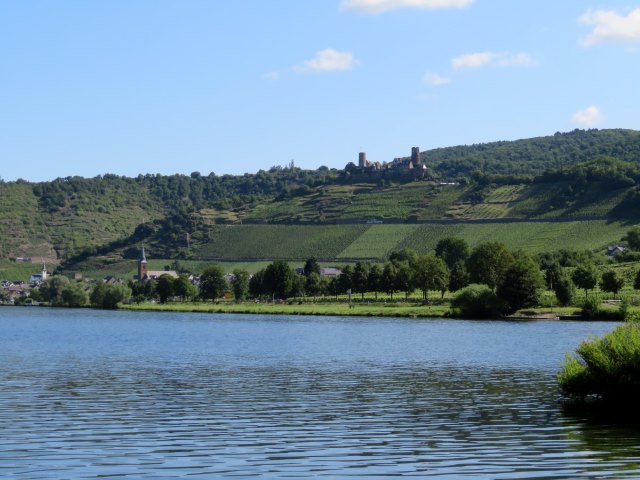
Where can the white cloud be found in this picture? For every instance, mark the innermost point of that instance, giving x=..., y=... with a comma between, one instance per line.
x=588, y=117
x=611, y=26
x=485, y=59
x=436, y=79
x=328, y=60
x=381, y=6
x=272, y=76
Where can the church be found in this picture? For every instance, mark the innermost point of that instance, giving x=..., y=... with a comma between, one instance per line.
x=145, y=274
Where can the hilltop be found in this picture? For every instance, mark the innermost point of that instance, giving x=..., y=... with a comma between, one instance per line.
x=534, y=194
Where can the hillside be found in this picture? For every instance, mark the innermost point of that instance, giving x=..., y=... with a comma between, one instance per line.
x=577, y=190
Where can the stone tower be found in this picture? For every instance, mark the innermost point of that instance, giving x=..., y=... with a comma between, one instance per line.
x=362, y=159
x=142, y=266
x=415, y=156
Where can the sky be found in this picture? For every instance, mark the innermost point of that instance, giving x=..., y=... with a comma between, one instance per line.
x=132, y=87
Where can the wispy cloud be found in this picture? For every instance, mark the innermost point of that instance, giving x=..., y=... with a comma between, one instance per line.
x=588, y=117
x=610, y=26
x=381, y=6
x=328, y=60
x=436, y=79
x=272, y=76
x=486, y=59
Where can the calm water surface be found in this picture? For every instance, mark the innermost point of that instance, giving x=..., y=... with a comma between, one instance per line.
x=87, y=394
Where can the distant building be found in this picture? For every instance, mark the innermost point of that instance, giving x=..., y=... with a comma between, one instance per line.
x=411, y=166
x=145, y=274
x=330, y=272
x=614, y=250
x=38, y=278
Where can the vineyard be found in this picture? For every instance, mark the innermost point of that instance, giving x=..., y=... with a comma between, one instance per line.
x=348, y=242
x=279, y=241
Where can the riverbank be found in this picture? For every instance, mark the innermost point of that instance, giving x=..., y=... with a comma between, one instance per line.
x=332, y=309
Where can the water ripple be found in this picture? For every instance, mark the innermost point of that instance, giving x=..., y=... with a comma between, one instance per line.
x=189, y=412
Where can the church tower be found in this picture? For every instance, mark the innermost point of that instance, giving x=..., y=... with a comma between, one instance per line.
x=142, y=266
x=44, y=273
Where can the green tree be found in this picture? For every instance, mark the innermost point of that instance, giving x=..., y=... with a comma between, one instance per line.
x=564, y=289
x=164, y=287
x=633, y=238
x=585, y=276
x=74, y=296
x=345, y=279
x=430, y=273
x=311, y=266
x=108, y=296
x=388, y=282
x=52, y=289
x=360, y=278
x=488, y=263
x=116, y=294
x=636, y=282
x=458, y=277
x=97, y=295
x=183, y=288
x=314, y=285
x=374, y=279
x=212, y=283
x=256, y=284
x=521, y=285
x=240, y=284
x=278, y=279
x=404, y=278
x=404, y=255
x=452, y=251
x=611, y=282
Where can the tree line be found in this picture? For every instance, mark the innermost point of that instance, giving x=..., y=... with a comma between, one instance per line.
x=488, y=280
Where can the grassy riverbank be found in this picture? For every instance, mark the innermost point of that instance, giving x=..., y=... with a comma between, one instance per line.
x=338, y=309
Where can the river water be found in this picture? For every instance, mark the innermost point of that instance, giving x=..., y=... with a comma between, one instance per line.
x=87, y=394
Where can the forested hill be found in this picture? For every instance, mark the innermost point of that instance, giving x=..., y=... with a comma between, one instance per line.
x=77, y=217
x=533, y=156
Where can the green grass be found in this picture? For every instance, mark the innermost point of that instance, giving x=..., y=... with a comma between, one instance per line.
x=19, y=271
x=333, y=309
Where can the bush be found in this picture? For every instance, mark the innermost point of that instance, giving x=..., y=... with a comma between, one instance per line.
x=607, y=367
x=591, y=307
x=478, y=301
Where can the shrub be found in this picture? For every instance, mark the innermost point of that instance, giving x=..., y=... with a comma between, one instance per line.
x=591, y=307
x=607, y=367
x=478, y=301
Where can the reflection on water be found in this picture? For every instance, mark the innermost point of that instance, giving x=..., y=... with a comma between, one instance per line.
x=90, y=395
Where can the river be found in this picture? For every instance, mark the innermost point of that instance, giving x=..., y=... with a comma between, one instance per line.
x=87, y=394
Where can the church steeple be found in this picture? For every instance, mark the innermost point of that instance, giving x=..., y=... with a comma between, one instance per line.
x=142, y=266
x=44, y=271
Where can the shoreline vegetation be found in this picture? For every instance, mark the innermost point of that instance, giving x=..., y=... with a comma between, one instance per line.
x=604, y=372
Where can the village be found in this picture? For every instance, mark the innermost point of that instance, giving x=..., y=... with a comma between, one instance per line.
x=20, y=292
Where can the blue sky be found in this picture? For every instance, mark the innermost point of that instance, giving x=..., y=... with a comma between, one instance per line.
x=153, y=86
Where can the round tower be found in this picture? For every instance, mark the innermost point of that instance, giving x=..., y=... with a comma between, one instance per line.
x=362, y=159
